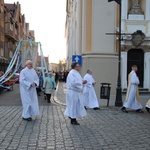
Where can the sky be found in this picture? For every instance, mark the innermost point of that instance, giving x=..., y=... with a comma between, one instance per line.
x=47, y=19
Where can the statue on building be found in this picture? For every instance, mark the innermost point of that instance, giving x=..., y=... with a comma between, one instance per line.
x=136, y=8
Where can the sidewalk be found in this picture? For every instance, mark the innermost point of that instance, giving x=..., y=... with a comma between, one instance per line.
x=60, y=97
x=105, y=129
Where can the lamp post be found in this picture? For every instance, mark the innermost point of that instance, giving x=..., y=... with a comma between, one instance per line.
x=118, y=101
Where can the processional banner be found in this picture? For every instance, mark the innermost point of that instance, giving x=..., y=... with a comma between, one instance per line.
x=29, y=51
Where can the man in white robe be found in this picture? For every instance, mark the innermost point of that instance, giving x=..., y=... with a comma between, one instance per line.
x=74, y=95
x=148, y=106
x=28, y=83
x=89, y=96
x=132, y=97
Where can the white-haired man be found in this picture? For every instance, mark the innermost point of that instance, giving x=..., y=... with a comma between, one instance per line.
x=89, y=96
x=28, y=83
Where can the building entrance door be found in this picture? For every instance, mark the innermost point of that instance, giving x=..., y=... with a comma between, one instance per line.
x=136, y=57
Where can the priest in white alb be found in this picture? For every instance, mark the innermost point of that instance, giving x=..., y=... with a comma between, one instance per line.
x=132, y=97
x=148, y=106
x=74, y=95
x=89, y=96
x=28, y=83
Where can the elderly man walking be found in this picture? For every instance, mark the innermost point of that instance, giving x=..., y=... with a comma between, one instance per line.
x=28, y=83
x=74, y=95
x=89, y=95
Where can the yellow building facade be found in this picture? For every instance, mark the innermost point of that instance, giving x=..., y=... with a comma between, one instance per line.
x=136, y=41
x=87, y=23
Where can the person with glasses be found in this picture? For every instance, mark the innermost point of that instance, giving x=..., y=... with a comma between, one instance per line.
x=74, y=94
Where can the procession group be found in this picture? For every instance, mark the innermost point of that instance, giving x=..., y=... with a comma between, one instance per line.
x=80, y=93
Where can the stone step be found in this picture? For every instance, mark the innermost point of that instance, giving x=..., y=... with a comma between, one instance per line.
x=141, y=91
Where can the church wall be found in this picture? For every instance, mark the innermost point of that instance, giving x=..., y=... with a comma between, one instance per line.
x=101, y=57
x=103, y=21
x=90, y=20
x=104, y=68
x=131, y=26
x=143, y=6
x=147, y=70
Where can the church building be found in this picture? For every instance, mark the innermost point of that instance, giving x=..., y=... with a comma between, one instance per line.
x=87, y=25
x=136, y=41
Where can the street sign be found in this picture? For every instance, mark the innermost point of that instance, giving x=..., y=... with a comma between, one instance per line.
x=77, y=58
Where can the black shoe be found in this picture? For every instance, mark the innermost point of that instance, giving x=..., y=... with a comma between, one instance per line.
x=48, y=101
x=139, y=111
x=124, y=110
x=148, y=109
x=85, y=107
x=27, y=119
x=74, y=123
x=96, y=108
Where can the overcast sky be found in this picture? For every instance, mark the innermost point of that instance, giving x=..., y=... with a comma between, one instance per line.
x=47, y=19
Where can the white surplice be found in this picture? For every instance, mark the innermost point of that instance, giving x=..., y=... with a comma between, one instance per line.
x=132, y=97
x=89, y=96
x=74, y=95
x=148, y=104
x=28, y=94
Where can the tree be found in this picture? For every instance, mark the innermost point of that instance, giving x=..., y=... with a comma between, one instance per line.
x=62, y=65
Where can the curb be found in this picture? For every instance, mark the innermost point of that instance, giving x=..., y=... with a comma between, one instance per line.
x=55, y=99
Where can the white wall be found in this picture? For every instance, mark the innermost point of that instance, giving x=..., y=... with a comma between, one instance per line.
x=147, y=70
x=104, y=21
x=104, y=68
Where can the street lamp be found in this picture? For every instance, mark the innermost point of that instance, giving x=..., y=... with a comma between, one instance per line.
x=118, y=101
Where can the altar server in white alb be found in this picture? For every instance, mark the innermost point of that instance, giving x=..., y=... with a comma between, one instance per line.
x=28, y=83
x=74, y=95
x=132, y=97
x=148, y=106
x=89, y=96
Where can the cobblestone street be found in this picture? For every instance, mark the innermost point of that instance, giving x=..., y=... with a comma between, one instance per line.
x=107, y=128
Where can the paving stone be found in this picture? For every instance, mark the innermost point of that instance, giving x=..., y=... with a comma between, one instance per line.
x=108, y=128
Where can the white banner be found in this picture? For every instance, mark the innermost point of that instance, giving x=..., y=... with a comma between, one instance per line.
x=29, y=51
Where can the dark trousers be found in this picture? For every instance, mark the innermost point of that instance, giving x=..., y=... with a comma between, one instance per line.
x=48, y=98
x=38, y=91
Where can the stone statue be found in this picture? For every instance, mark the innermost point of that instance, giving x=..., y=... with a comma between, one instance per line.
x=135, y=2
x=136, y=8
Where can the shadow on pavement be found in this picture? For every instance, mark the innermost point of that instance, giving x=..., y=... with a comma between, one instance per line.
x=12, y=98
